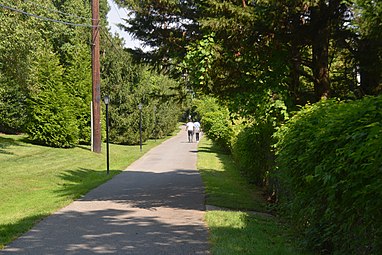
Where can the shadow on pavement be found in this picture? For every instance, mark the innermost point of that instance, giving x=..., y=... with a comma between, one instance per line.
x=179, y=189
x=110, y=232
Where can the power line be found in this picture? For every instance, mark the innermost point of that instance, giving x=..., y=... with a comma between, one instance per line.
x=112, y=43
x=127, y=14
x=57, y=11
x=45, y=18
x=115, y=7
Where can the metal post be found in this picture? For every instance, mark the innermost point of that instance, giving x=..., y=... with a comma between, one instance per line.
x=140, y=126
x=91, y=126
x=107, y=133
x=107, y=138
x=155, y=123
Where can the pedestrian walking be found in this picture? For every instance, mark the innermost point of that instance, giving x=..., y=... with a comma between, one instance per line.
x=197, y=130
x=190, y=130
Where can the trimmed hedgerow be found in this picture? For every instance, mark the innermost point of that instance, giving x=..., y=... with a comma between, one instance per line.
x=252, y=150
x=215, y=120
x=330, y=166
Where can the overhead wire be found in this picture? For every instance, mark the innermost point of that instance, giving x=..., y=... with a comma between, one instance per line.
x=60, y=12
x=63, y=22
x=112, y=43
x=45, y=18
x=116, y=8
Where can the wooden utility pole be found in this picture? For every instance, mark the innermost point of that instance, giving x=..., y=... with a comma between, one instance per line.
x=96, y=77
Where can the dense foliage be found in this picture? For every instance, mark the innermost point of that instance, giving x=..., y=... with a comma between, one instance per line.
x=46, y=83
x=160, y=107
x=253, y=152
x=262, y=60
x=329, y=163
x=216, y=121
x=51, y=120
x=257, y=61
x=45, y=71
x=310, y=49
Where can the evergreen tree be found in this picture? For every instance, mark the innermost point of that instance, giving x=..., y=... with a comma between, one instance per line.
x=15, y=48
x=368, y=17
x=265, y=44
x=51, y=120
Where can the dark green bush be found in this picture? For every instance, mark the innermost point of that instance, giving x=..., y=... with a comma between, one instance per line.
x=13, y=108
x=166, y=119
x=137, y=84
x=330, y=166
x=51, y=120
x=253, y=151
x=215, y=121
x=124, y=127
x=253, y=146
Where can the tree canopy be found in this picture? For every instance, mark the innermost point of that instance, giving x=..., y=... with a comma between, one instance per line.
x=45, y=75
x=309, y=49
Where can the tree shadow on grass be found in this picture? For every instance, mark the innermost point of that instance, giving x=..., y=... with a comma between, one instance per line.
x=76, y=183
x=6, y=142
x=214, y=148
x=9, y=232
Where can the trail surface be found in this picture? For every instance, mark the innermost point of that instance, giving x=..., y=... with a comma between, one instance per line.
x=156, y=206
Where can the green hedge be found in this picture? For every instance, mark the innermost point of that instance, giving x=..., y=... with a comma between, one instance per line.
x=330, y=166
x=253, y=152
x=215, y=121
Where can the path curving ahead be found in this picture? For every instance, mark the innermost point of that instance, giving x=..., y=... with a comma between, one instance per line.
x=155, y=207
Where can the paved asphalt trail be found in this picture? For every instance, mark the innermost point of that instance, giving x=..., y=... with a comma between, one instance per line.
x=155, y=207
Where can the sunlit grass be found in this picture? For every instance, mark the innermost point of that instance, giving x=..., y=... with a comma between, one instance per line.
x=225, y=187
x=37, y=180
x=238, y=232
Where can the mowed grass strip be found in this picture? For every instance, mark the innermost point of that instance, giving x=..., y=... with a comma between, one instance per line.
x=225, y=186
x=37, y=180
x=238, y=232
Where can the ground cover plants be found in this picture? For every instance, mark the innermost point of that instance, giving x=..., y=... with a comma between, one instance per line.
x=38, y=180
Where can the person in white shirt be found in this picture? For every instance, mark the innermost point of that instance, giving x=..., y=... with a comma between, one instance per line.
x=197, y=130
x=190, y=130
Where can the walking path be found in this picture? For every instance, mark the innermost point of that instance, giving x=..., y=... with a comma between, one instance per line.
x=155, y=207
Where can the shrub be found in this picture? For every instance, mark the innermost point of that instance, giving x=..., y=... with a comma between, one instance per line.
x=215, y=121
x=330, y=166
x=253, y=152
x=51, y=121
x=13, y=115
x=253, y=146
x=124, y=127
x=166, y=119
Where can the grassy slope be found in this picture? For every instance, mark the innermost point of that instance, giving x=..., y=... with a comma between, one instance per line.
x=36, y=180
x=238, y=232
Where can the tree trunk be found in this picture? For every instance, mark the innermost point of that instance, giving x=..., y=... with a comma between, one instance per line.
x=320, y=51
x=295, y=73
x=370, y=66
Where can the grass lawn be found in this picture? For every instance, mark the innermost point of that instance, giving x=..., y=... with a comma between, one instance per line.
x=238, y=232
x=37, y=180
